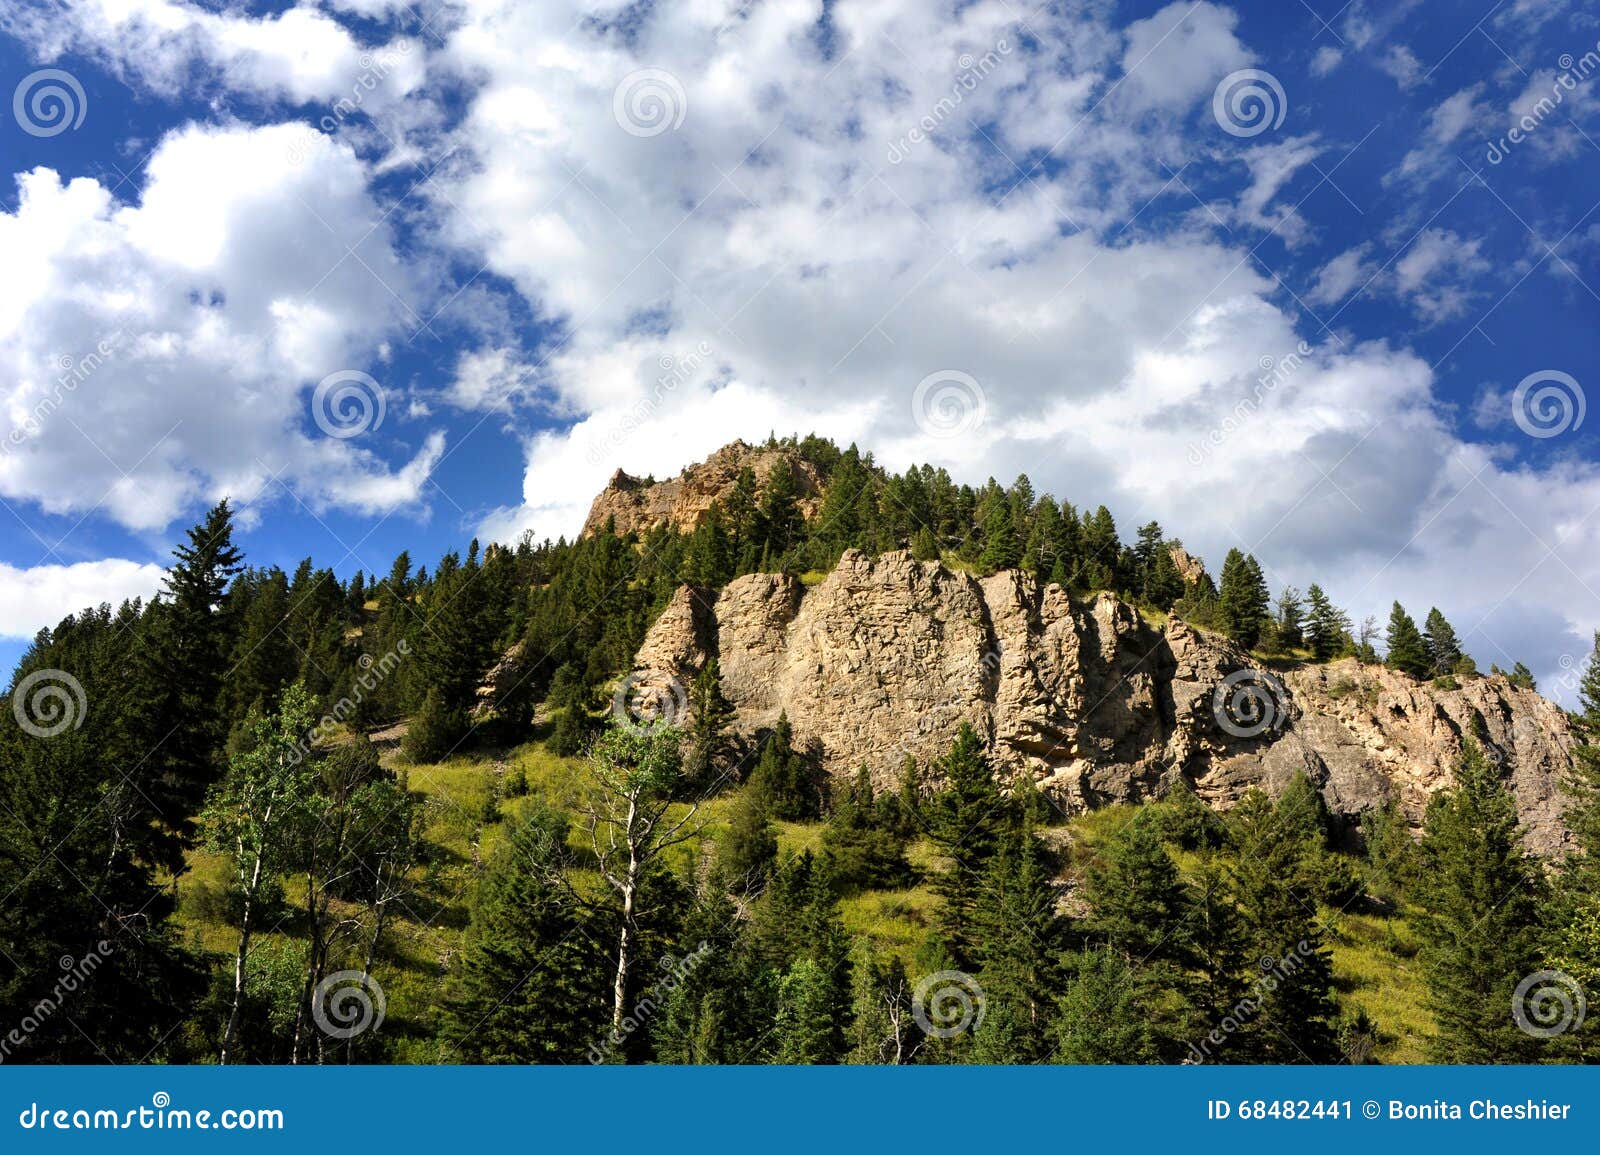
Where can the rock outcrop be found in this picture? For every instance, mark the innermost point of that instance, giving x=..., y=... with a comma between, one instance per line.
x=888, y=656
x=633, y=505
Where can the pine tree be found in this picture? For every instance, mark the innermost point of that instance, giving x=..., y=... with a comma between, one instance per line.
x=1440, y=644
x=1408, y=653
x=749, y=850
x=1018, y=943
x=530, y=986
x=1137, y=901
x=1288, y=623
x=1293, y=1019
x=786, y=777
x=967, y=819
x=1101, y=1018
x=1480, y=926
x=710, y=715
x=1001, y=549
x=1244, y=603
x=181, y=668
x=1326, y=625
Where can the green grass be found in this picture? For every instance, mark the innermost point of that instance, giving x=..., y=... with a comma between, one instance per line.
x=1374, y=956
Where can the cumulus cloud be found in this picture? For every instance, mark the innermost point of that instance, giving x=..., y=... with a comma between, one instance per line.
x=162, y=353
x=825, y=273
x=300, y=54
x=38, y=597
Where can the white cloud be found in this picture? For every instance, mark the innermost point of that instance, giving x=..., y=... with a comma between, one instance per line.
x=1344, y=273
x=1177, y=56
x=1439, y=274
x=1326, y=60
x=1447, y=122
x=36, y=598
x=300, y=54
x=159, y=354
x=1400, y=63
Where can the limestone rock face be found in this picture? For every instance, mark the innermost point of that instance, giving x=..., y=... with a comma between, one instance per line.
x=681, y=502
x=887, y=656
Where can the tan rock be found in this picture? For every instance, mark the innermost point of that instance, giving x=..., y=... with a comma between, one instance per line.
x=887, y=657
x=682, y=502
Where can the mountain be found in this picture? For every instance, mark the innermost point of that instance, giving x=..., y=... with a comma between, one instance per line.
x=634, y=505
x=887, y=656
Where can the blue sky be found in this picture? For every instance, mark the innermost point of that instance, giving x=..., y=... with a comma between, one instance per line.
x=562, y=241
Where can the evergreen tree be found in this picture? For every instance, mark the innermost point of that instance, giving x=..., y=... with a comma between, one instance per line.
x=749, y=850
x=1137, y=901
x=530, y=985
x=967, y=819
x=1440, y=644
x=1287, y=625
x=785, y=777
x=1408, y=653
x=1326, y=625
x=1018, y=943
x=1480, y=926
x=710, y=715
x=1101, y=1019
x=1293, y=1008
x=1244, y=601
x=1001, y=550
x=189, y=638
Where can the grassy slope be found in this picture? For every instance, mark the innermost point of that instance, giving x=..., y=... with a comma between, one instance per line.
x=1374, y=958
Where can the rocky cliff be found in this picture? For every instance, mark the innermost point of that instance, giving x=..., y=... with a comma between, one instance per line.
x=888, y=656
x=634, y=505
